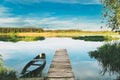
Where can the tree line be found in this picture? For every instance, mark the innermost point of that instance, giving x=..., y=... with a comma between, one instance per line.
x=15, y=30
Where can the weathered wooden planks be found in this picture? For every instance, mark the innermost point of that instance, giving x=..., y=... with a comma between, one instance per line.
x=60, y=68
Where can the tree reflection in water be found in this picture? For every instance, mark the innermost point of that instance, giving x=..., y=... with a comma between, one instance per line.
x=108, y=56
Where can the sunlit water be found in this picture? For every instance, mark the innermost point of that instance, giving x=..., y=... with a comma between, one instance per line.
x=16, y=55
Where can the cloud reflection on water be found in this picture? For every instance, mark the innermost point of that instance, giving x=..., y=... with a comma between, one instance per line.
x=16, y=55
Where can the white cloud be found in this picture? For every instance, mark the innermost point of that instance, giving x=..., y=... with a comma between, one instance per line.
x=4, y=11
x=51, y=23
x=8, y=20
x=54, y=23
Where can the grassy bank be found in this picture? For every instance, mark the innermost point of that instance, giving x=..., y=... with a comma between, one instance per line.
x=67, y=33
x=32, y=36
x=5, y=72
x=108, y=56
x=15, y=38
x=96, y=38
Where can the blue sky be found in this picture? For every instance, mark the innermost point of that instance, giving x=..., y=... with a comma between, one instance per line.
x=51, y=14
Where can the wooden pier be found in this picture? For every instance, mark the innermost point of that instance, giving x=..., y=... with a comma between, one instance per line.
x=60, y=68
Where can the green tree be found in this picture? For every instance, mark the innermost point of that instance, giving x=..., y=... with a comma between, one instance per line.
x=111, y=13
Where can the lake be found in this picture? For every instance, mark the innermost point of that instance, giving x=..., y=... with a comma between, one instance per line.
x=16, y=55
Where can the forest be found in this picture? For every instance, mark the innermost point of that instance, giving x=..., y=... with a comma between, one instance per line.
x=15, y=30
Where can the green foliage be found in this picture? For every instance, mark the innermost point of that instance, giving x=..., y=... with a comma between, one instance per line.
x=16, y=30
x=9, y=38
x=1, y=60
x=111, y=12
x=63, y=31
x=108, y=56
x=39, y=38
x=6, y=73
x=95, y=38
x=14, y=38
x=31, y=38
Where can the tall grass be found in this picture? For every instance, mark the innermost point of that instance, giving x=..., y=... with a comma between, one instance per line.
x=96, y=38
x=1, y=60
x=29, y=38
x=108, y=56
x=6, y=73
x=14, y=38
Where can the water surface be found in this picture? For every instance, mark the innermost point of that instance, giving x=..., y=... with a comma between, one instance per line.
x=16, y=55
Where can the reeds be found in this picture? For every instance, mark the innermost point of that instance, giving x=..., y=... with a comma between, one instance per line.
x=6, y=73
x=96, y=38
x=20, y=38
x=108, y=56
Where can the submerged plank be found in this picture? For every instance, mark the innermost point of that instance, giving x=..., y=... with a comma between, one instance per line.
x=60, y=68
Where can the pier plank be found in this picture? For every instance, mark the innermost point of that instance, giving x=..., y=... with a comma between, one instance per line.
x=60, y=68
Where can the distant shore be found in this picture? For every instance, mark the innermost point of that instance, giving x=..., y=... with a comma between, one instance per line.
x=52, y=33
x=28, y=34
x=68, y=33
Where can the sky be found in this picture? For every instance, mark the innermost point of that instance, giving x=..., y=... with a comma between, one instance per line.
x=51, y=14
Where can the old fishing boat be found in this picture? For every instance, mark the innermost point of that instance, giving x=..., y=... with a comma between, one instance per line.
x=34, y=67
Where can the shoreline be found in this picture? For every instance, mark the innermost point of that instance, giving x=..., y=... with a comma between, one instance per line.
x=62, y=33
x=67, y=33
x=77, y=34
x=70, y=33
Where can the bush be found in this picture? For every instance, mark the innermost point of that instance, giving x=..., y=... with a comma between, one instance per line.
x=6, y=73
x=39, y=38
x=108, y=56
x=20, y=38
x=95, y=38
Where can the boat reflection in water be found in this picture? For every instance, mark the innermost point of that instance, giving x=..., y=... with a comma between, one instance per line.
x=34, y=67
x=108, y=56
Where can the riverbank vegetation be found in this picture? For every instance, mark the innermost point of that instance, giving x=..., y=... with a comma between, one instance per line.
x=108, y=56
x=111, y=13
x=95, y=38
x=67, y=33
x=33, y=34
x=6, y=73
x=15, y=38
x=19, y=30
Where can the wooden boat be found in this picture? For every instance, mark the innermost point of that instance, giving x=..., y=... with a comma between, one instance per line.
x=35, y=66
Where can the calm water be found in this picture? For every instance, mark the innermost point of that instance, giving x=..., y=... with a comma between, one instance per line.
x=16, y=55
